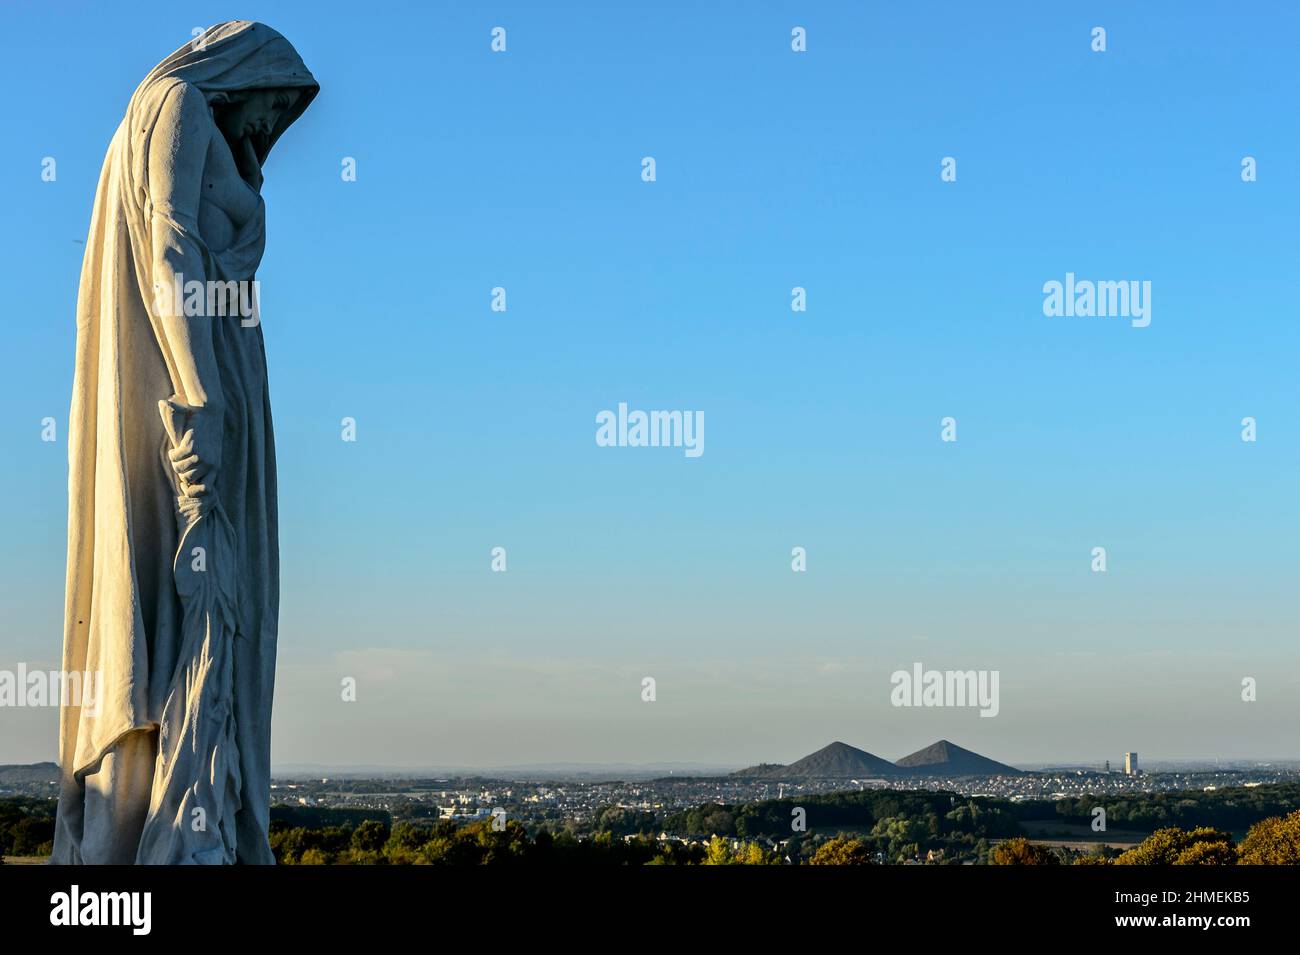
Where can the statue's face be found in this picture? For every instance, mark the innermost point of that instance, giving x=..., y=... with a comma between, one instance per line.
x=253, y=113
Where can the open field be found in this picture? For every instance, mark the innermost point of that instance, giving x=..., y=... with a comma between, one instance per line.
x=1077, y=836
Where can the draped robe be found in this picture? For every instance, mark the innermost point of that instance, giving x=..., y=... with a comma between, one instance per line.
x=172, y=763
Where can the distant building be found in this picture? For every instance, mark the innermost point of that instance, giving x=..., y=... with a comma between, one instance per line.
x=1108, y=767
x=1130, y=764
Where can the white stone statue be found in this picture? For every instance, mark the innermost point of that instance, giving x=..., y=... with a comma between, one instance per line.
x=173, y=566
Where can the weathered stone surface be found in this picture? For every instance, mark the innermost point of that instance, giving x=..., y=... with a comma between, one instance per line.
x=173, y=573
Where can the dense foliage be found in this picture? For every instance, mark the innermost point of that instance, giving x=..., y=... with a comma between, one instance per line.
x=478, y=843
x=849, y=828
x=1272, y=841
x=26, y=826
x=1234, y=809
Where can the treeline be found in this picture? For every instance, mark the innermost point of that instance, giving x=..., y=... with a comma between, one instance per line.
x=938, y=813
x=478, y=843
x=940, y=826
x=884, y=825
x=1235, y=809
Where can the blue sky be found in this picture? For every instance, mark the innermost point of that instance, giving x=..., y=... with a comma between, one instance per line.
x=775, y=169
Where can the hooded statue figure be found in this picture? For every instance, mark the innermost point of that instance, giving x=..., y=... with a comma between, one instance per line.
x=173, y=567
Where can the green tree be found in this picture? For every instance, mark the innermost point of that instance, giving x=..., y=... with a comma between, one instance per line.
x=903, y=835
x=754, y=854
x=370, y=836
x=718, y=852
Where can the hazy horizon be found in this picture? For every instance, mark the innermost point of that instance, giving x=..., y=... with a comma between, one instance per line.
x=723, y=766
x=821, y=170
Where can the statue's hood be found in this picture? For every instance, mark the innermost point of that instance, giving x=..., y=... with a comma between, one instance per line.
x=238, y=55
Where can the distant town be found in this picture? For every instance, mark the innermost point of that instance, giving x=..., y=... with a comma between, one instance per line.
x=538, y=801
x=539, y=797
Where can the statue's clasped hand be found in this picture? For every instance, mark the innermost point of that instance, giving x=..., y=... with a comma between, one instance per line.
x=195, y=452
